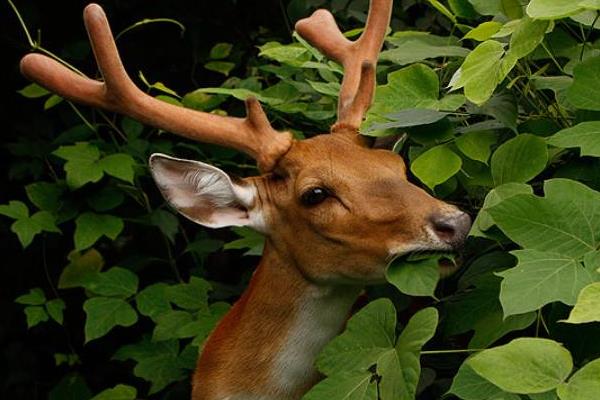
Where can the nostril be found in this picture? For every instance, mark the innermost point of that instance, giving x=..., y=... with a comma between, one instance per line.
x=444, y=229
x=452, y=229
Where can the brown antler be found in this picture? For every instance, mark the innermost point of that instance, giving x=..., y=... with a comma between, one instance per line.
x=252, y=135
x=359, y=58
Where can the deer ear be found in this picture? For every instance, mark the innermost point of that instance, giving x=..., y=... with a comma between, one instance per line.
x=205, y=194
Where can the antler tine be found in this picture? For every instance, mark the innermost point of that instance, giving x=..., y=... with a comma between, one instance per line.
x=359, y=58
x=252, y=135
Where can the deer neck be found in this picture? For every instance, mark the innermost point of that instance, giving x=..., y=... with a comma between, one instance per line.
x=266, y=346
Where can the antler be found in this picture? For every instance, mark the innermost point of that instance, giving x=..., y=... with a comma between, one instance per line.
x=252, y=135
x=359, y=58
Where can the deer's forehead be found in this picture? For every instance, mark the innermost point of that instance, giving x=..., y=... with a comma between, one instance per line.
x=338, y=157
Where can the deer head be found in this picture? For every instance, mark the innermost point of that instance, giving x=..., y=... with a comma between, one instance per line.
x=334, y=206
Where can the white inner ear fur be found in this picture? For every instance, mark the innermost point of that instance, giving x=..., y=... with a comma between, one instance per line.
x=205, y=194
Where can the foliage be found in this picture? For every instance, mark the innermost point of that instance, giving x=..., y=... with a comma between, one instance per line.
x=496, y=104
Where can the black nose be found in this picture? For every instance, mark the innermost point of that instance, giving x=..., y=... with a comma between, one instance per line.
x=451, y=228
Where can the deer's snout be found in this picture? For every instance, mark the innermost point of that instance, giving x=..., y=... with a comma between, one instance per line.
x=451, y=229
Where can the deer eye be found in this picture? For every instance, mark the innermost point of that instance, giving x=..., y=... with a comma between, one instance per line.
x=314, y=196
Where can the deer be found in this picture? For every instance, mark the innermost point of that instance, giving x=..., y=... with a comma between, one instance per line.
x=333, y=209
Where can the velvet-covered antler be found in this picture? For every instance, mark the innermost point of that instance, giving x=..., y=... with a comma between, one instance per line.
x=359, y=58
x=252, y=135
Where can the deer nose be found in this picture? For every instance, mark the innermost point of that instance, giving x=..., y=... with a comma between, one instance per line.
x=451, y=228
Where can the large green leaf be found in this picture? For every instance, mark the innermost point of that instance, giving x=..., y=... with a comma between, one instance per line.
x=27, y=227
x=414, y=277
x=587, y=307
x=119, y=165
x=484, y=221
x=190, y=296
x=566, y=221
x=468, y=385
x=368, y=335
x=115, y=282
x=541, y=278
x=476, y=145
x=553, y=9
x=528, y=34
x=416, y=86
x=82, y=163
x=585, y=91
x=345, y=386
x=400, y=370
x=104, y=313
x=585, y=135
x=525, y=365
x=411, y=46
x=90, y=227
x=436, y=165
x=519, y=159
x=483, y=31
x=153, y=300
x=35, y=297
x=480, y=72
x=584, y=384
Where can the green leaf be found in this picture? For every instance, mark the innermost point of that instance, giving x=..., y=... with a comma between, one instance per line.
x=476, y=145
x=409, y=117
x=33, y=91
x=250, y=239
x=190, y=296
x=35, y=297
x=552, y=9
x=479, y=309
x=412, y=46
x=71, y=387
x=115, y=282
x=401, y=382
x=416, y=86
x=157, y=363
x=436, y=165
x=82, y=163
x=294, y=54
x=584, y=135
x=415, y=278
x=90, y=227
x=153, y=301
x=584, y=93
x=27, y=227
x=55, y=309
x=468, y=385
x=119, y=392
x=45, y=195
x=541, y=278
x=369, y=334
x=483, y=31
x=220, y=51
x=222, y=67
x=345, y=386
x=119, y=165
x=528, y=34
x=14, y=209
x=587, y=307
x=168, y=324
x=35, y=315
x=480, y=72
x=542, y=364
x=519, y=159
x=81, y=269
x=584, y=384
x=52, y=101
x=104, y=313
x=566, y=221
x=166, y=222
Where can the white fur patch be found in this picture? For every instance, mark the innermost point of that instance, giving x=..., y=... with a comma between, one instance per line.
x=320, y=316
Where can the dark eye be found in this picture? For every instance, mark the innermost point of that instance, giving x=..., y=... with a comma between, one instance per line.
x=314, y=196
